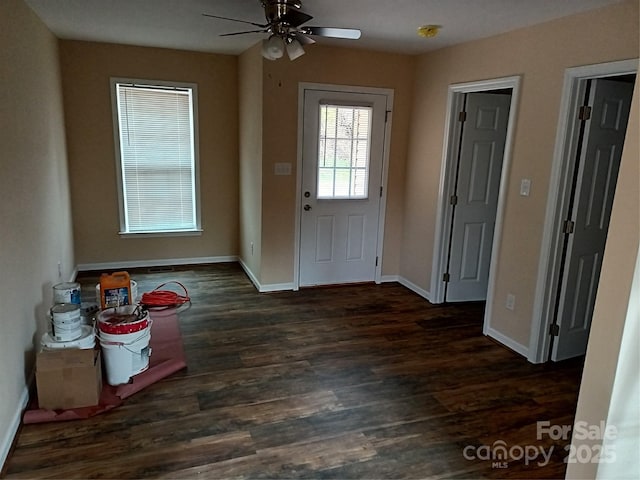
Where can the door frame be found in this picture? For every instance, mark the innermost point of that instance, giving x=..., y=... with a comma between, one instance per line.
x=551, y=252
x=388, y=93
x=447, y=184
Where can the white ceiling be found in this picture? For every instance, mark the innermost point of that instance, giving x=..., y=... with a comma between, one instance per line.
x=387, y=25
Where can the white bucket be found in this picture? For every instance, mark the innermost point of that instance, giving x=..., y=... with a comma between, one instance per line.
x=125, y=355
x=88, y=312
x=86, y=341
x=66, y=323
x=68, y=292
x=134, y=292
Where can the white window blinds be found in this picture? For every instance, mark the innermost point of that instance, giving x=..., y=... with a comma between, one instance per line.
x=157, y=158
x=343, y=152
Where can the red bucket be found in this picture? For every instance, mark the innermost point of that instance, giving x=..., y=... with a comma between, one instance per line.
x=123, y=320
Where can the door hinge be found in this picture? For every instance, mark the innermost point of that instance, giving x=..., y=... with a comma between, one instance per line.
x=568, y=226
x=446, y=277
x=554, y=330
x=453, y=200
x=386, y=116
x=380, y=192
x=462, y=117
x=376, y=261
x=584, y=113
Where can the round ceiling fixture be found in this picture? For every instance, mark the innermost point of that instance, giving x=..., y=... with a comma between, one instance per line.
x=429, y=31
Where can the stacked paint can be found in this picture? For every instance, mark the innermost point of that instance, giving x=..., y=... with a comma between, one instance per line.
x=68, y=330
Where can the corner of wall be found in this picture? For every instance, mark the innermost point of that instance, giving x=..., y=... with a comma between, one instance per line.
x=250, y=98
x=6, y=442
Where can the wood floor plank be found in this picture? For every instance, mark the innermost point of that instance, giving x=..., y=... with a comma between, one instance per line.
x=358, y=381
x=316, y=455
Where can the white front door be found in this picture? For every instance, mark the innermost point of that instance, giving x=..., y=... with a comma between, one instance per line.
x=595, y=185
x=342, y=157
x=475, y=201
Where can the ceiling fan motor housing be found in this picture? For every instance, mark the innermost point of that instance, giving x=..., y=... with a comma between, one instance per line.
x=275, y=10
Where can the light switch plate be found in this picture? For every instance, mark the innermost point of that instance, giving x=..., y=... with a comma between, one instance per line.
x=511, y=301
x=525, y=187
x=282, y=168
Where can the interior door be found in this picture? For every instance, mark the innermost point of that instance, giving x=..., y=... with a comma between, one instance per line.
x=475, y=201
x=342, y=157
x=595, y=185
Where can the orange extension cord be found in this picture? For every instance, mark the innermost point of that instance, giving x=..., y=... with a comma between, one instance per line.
x=159, y=299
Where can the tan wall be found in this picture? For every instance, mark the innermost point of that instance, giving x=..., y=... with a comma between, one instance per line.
x=334, y=66
x=250, y=93
x=35, y=212
x=86, y=69
x=612, y=302
x=540, y=54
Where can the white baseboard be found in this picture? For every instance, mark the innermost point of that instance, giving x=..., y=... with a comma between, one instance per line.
x=270, y=287
x=415, y=288
x=508, y=342
x=83, y=267
x=406, y=283
x=10, y=433
x=249, y=273
x=389, y=278
x=276, y=287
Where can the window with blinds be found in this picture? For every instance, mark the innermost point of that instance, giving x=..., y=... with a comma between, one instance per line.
x=343, y=152
x=157, y=157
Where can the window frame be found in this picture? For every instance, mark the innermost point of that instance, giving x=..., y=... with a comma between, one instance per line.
x=193, y=87
x=351, y=168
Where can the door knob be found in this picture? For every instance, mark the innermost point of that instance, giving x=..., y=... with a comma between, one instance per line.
x=307, y=207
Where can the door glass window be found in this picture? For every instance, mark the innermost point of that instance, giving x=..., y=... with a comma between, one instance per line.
x=343, y=152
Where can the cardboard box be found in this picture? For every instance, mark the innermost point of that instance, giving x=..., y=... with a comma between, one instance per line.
x=68, y=378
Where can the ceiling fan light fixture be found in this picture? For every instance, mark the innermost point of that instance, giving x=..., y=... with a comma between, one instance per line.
x=273, y=47
x=287, y=27
x=294, y=48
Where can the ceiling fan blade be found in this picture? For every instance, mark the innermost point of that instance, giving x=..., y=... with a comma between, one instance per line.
x=295, y=18
x=242, y=33
x=235, y=20
x=304, y=40
x=350, y=33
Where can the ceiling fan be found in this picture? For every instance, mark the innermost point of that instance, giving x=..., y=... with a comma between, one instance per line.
x=285, y=25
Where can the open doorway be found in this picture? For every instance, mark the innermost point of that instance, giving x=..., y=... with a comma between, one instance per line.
x=473, y=189
x=591, y=133
x=473, y=202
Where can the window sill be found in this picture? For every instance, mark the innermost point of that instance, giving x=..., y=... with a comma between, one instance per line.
x=177, y=233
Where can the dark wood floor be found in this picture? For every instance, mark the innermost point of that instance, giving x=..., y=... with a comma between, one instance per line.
x=364, y=381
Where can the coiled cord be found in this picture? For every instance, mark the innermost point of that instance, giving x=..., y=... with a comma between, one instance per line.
x=160, y=299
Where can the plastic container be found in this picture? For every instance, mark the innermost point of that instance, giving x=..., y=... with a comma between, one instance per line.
x=125, y=344
x=125, y=355
x=115, y=289
x=88, y=312
x=134, y=293
x=123, y=320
